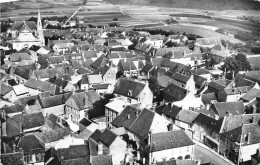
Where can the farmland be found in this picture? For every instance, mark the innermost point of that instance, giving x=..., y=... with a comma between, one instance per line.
x=140, y=17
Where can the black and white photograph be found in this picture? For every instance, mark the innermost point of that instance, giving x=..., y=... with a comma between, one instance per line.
x=130, y=82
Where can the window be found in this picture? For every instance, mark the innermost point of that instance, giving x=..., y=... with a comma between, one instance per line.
x=180, y=158
x=187, y=157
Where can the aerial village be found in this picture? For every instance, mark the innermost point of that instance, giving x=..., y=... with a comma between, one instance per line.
x=107, y=96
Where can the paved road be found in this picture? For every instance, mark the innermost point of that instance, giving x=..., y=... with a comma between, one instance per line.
x=206, y=156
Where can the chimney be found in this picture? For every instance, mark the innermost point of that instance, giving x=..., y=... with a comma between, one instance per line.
x=14, y=147
x=61, y=90
x=248, y=137
x=128, y=116
x=254, y=109
x=21, y=128
x=100, y=148
x=4, y=124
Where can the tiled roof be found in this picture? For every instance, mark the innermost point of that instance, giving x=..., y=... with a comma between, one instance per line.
x=209, y=122
x=180, y=77
x=95, y=136
x=24, y=73
x=199, y=81
x=17, y=57
x=250, y=95
x=32, y=140
x=244, y=82
x=128, y=88
x=52, y=101
x=101, y=70
x=174, y=93
x=200, y=71
x=13, y=108
x=85, y=99
x=228, y=108
x=12, y=159
x=168, y=140
x=126, y=65
x=100, y=62
x=33, y=83
x=17, y=25
x=208, y=97
x=30, y=121
x=253, y=76
x=102, y=160
x=142, y=124
x=244, y=130
x=107, y=137
x=5, y=89
x=187, y=116
x=49, y=136
x=171, y=111
x=73, y=152
x=126, y=117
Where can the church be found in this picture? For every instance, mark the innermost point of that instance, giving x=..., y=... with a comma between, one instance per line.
x=27, y=33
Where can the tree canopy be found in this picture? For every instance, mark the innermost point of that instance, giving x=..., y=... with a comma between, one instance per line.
x=236, y=63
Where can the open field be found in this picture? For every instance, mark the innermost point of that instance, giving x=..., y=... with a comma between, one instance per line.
x=200, y=31
x=141, y=17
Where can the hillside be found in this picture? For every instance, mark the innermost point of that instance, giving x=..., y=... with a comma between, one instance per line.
x=196, y=4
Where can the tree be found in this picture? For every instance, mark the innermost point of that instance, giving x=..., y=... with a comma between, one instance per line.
x=98, y=109
x=155, y=88
x=236, y=63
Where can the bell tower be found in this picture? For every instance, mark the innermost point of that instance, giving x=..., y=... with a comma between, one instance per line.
x=39, y=29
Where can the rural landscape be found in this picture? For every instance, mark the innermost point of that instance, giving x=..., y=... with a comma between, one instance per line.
x=130, y=82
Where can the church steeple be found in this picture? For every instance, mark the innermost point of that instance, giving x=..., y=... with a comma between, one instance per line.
x=39, y=29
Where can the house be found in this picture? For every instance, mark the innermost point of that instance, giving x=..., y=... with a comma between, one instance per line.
x=74, y=154
x=207, y=130
x=54, y=104
x=58, y=138
x=177, y=38
x=19, y=91
x=184, y=81
x=29, y=123
x=108, y=74
x=12, y=110
x=62, y=47
x=165, y=146
x=78, y=105
x=99, y=62
x=33, y=153
x=207, y=42
x=12, y=158
x=22, y=75
x=102, y=160
x=173, y=93
x=134, y=92
x=222, y=109
x=126, y=66
x=124, y=42
x=32, y=85
x=88, y=124
x=180, y=117
x=250, y=96
x=113, y=109
x=103, y=88
x=146, y=123
x=219, y=53
x=110, y=143
x=232, y=94
x=5, y=90
x=240, y=143
x=24, y=35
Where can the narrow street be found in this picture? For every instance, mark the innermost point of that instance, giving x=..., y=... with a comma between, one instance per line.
x=206, y=156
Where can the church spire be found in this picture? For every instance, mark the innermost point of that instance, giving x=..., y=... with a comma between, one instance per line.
x=39, y=29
